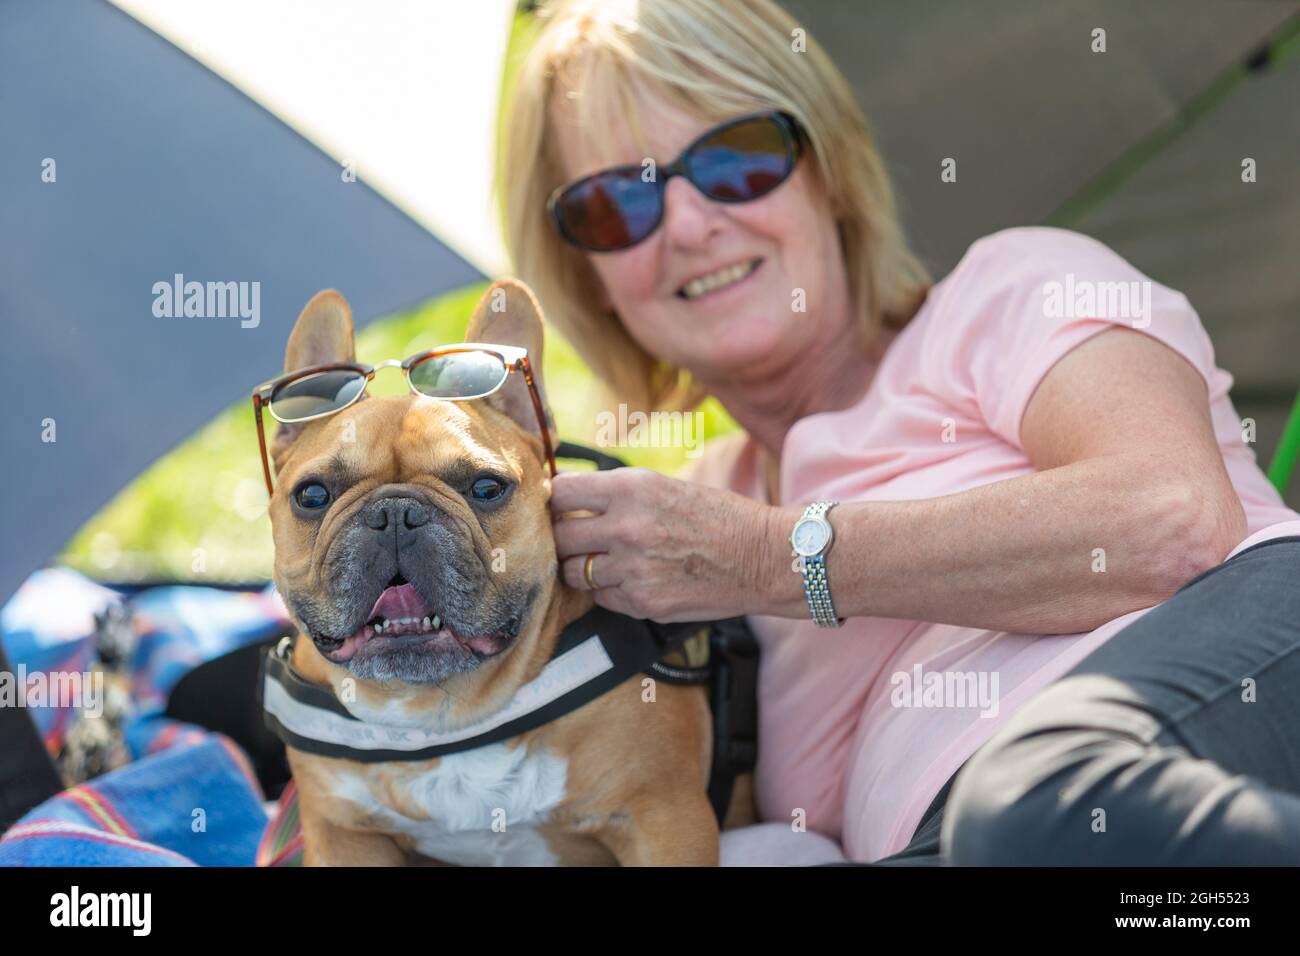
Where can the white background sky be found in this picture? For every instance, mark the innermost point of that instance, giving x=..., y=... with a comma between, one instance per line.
x=406, y=89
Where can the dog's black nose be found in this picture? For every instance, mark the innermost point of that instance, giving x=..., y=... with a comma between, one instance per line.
x=396, y=513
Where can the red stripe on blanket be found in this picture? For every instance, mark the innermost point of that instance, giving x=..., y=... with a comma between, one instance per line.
x=100, y=808
x=281, y=843
x=37, y=829
x=292, y=849
x=241, y=761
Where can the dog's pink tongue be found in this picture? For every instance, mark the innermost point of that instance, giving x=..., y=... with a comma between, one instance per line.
x=399, y=602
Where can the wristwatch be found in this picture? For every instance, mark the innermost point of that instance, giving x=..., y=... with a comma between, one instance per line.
x=811, y=540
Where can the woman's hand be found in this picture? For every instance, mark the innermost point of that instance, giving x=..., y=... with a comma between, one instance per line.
x=666, y=549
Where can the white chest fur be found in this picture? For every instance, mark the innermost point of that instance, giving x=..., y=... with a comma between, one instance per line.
x=477, y=808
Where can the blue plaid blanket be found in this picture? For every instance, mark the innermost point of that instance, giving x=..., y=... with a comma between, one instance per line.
x=188, y=797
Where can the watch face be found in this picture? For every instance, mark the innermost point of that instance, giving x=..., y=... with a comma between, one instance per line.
x=809, y=537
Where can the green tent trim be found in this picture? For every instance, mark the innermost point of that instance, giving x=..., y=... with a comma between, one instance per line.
x=1288, y=450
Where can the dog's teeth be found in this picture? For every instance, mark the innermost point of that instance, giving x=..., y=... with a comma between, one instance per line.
x=437, y=623
x=379, y=627
x=426, y=622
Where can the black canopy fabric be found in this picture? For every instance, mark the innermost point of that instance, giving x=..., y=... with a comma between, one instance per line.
x=160, y=168
x=1140, y=146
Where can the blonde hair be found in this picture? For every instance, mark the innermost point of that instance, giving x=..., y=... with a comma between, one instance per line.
x=716, y=59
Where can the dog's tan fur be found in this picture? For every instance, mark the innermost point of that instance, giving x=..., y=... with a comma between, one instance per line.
x=635, y=788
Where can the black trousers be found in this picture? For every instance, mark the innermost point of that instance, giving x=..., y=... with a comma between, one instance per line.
x=1177, y=742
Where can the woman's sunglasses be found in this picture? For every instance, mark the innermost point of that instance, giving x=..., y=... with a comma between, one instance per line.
x=741, y=160
x=454, y=372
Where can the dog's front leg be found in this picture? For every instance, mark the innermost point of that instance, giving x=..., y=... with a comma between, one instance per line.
x=680, y=832
x=326, y=844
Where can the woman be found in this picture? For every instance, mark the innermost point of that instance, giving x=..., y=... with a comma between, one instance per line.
x=1019, y=481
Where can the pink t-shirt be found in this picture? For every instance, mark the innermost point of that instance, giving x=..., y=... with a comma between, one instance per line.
x=841, y=734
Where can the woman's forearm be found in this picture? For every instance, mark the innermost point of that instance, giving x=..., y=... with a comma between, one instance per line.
x=1057, y=551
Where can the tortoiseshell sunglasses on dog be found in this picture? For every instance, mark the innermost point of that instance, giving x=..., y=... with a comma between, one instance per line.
x=454, y=372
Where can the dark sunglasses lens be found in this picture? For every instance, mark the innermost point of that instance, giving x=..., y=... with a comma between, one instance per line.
x=316, y=394
x=742, y=161
x=610, y=210
x=458, y=375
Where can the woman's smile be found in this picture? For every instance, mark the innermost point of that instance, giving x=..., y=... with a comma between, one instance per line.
x=714, y=284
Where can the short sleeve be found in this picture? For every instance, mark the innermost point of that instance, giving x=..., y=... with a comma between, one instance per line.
x=1021, y=299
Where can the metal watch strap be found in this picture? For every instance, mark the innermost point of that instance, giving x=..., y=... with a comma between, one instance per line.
x=816, y=586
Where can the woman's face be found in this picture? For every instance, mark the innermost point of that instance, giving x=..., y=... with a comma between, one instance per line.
x=788, y=237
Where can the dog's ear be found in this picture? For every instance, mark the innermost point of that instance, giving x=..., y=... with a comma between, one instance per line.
x=322, y=334
x=508, y=314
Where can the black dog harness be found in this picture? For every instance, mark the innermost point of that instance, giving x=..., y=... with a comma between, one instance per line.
x=593, y=655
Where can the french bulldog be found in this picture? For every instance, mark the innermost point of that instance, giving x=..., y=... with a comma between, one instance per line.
x=402, y=617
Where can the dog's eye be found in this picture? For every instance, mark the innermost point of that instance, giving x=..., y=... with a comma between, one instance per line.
x=487, y=489
x=312, y=495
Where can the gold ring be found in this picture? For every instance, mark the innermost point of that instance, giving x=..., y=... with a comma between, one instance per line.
x=586, y=571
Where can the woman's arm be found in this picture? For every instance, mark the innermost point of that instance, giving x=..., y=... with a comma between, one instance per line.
x=1121, y=434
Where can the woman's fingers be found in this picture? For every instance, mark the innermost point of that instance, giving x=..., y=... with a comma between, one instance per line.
x=580, y=536
x=574, y=570
x=660, y=548
x=581, y=491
